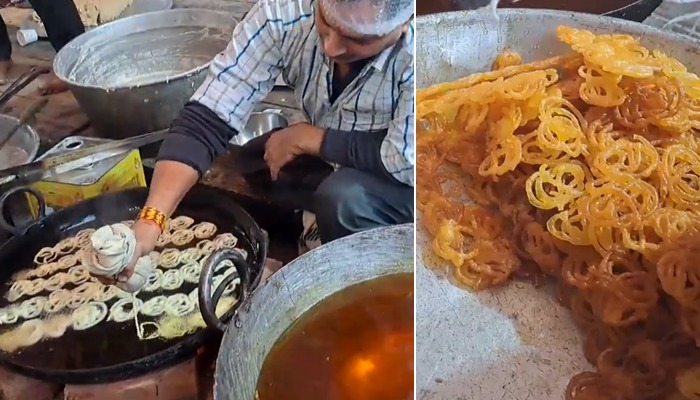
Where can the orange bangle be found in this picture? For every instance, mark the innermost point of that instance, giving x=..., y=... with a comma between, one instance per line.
x=153, y=215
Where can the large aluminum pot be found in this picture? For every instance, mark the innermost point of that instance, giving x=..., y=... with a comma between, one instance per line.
x=516, y=330
x=133, y=76
x=262, y=318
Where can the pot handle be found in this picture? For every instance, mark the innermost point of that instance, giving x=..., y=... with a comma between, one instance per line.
x=207, y=301
x=20, y=230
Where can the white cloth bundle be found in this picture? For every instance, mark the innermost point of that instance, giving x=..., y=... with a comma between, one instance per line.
x=113, y=246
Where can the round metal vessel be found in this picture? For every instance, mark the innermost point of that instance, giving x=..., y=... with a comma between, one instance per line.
x=259, y=124
x=454, y=45
x=513, y=342
x=23, y=146
x=21, y=149
x=133, y=76
x=633, y=10
x=281, y=300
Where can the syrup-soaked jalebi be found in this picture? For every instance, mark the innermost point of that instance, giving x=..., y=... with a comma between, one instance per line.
x=584, y=168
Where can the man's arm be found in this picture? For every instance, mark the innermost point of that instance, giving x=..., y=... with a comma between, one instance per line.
x=355, y=149
x=196, y=137
x=390, y=152
x=238, y=79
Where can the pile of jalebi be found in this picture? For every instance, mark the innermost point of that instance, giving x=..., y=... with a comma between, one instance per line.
x=584, y=168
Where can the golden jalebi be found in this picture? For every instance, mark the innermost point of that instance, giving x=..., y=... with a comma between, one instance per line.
x=586, y=166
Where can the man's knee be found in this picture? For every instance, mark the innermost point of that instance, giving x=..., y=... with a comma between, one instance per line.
x=350, y=201
x=340, y=197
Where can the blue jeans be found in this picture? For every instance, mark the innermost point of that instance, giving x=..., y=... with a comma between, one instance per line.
x=350, y=201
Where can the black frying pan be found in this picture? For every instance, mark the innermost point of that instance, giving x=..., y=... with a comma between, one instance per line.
x=111, y=352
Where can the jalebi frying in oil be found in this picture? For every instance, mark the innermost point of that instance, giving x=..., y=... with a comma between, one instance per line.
x=587, y=167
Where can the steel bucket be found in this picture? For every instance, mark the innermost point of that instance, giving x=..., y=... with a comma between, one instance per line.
x=273, y=307
x=134, y=75
x=490, y=337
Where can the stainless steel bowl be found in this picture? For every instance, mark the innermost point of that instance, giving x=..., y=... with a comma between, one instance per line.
x=259, y=124
x=21, y=149
x=133, y=76
x=23, y=146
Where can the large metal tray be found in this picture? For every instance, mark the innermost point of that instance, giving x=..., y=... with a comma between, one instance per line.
x=514, y=342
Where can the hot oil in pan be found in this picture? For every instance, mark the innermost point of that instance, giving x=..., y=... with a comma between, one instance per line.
x=104, y=345
x=355, y=345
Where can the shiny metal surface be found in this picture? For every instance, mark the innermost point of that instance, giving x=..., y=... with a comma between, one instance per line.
x=453, y=45
x=259, y=124
x=26, y=140
x=277, y=303
x=54, y=166
x=21, y=149
x=515, y=342
x=27, y=117
x=678, y=16
x=89, y=174
x=133, y=76
x=635, y=10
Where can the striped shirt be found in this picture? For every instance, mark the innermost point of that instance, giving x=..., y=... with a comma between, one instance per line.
x=278, y=37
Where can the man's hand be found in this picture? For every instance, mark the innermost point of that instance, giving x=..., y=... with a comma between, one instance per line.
x=146, y=236
x=285, y=145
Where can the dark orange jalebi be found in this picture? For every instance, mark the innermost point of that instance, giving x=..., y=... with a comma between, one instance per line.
x=591, y=386
x=584, y=168
x=649, y=101
x=678, y=272
x=635, y=369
